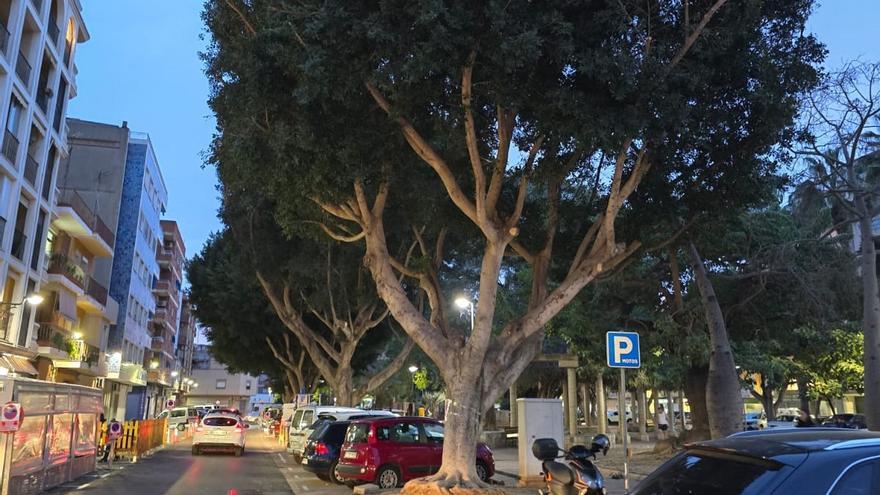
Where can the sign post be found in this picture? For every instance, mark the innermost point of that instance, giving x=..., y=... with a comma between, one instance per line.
x=622, y=351
x=10, y=417
x=114, y=431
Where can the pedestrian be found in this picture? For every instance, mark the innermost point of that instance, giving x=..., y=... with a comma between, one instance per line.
x=662, y=422
x=804, y=419
x=104, y=443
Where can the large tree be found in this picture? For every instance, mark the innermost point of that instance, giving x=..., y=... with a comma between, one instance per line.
x=386, y=122
x=842, y=158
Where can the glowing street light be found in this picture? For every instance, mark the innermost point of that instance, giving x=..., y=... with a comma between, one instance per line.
x=174, y=374
x=465, y=303
x=34, y=299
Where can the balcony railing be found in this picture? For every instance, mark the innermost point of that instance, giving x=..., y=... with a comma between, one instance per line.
x=31, y=169
x=18, y=242
x=97, y=291
x=74, y=201
x=62, y=265
x=23, y=69
x=10, y=146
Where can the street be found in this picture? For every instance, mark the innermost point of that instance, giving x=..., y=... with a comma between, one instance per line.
x=265, y=469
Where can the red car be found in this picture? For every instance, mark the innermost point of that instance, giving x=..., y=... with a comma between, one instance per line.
x=392, y=451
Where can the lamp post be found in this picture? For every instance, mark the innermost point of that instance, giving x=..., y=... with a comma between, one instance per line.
x=465, y=303
x=412, y=371
x=33, y=299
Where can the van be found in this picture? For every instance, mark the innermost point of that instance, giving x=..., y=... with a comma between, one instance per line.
x=306, y=418
x=179, y=417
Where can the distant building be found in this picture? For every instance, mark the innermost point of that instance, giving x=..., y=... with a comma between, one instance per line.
x=186, y=336
x=216, y=385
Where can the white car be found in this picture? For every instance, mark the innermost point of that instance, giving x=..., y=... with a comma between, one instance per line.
x=613, y=414
x=219, y=431
x=307, y=418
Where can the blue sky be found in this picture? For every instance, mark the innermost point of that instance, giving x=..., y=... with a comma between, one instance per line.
x=141, y=65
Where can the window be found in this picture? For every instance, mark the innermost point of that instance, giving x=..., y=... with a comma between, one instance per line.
x=433, y=432
x=858, y=480
x=219, y=421
x=699, y=471
x=178, y=413
x=399, y=432
x=357, y=433
x=221, y=384
x=247, y=385
x=297, y=418
x=307, y=418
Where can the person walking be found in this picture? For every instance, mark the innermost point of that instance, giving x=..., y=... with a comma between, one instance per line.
x=662, y=422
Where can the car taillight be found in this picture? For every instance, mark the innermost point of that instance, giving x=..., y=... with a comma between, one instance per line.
x=238, y=428
x=321, y=449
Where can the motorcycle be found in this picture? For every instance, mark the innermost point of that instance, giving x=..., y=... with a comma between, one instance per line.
x=579, y=476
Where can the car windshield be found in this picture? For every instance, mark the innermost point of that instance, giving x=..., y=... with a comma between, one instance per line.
x=319, y=428
x=357, y=433
x=697, y=472
x=219, y=421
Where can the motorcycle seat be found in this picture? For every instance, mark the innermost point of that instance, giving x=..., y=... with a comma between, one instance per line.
x=560, y=472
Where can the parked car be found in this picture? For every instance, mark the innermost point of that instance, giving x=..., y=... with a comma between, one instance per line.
x=754, y=421
x=391, y=451
x=796, y=460
x=852, y=421
x=306, y=419
x=220, y=431
x=322, y=450
x=613, y=416
x=179, y=417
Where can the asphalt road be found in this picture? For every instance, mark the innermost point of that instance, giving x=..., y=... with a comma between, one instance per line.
x=264, y=469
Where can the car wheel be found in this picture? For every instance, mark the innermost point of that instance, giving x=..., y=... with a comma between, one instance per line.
x=239, y=451
x=195, y=450
x=387, y=477
x=334, y=475
x=181, y=426
x=482, y=472
x=297, y=458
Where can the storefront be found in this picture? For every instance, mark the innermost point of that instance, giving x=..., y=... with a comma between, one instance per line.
x=57, y=441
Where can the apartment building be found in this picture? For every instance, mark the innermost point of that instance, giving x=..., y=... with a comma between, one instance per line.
x=186, y=336
x=135, y=267
x=216, y=385
x=90, y=187
x=38, y=40
x=162, y=358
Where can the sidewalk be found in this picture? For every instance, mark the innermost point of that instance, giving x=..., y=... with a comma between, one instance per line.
x=641, y=464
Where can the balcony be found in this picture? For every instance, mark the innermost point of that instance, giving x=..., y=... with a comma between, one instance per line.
x=162, y=377
x=168, y=258
x=164, y=288
x=54, y=344
x=54, y=32
x=128, y=374
x=18, y=242
x=23, y=69
x=63, y=266
x=54, y=319
x=10, y=146
x=94, y=297
x=77, y=219
x=31, y=169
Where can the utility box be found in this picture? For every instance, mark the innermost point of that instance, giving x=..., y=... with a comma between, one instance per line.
x=536, y=418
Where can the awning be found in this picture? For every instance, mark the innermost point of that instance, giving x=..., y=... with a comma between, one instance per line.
x=18, y=365
x=67, y=304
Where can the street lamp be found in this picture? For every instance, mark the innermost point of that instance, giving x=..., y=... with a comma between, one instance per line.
x=174, y=374
x=465, y=303
x=195, y=385
x=154, y=364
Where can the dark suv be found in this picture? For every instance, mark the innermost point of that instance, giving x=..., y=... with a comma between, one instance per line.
x=322, y=450
x=797, y=460
x=854, y=421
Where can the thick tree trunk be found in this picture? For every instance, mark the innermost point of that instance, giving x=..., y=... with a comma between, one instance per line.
x=602, y=410
x=643, y=410
x=585, y=403
x=802, y=394
x=695, y=389
x=343, y=388
x=723, y=399
x=870, y=323
x=768, y=402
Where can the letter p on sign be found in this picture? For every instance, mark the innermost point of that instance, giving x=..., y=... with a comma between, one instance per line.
x=622, y=350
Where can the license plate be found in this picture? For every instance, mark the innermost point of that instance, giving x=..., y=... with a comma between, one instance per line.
x=219, y=432
x=349, y=454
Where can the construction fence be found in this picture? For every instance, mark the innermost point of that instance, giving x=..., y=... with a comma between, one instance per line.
x=141, y=437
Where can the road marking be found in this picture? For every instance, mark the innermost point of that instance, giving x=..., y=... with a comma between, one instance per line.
x=281, y=458
x=84, y=486
x=304, y=487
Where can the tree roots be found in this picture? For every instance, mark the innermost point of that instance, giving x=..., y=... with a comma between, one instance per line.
x=452, y=482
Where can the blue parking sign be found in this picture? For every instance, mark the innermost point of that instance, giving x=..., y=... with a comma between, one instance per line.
x=622, y=350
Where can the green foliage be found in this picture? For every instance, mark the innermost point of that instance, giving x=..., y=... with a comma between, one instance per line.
x=420, y=379
x=832, y=361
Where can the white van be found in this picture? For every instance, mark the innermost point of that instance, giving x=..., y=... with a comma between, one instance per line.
x=179, y=417
x=305, y=418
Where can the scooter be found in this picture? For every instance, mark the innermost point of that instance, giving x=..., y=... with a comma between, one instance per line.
x=579, y=476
